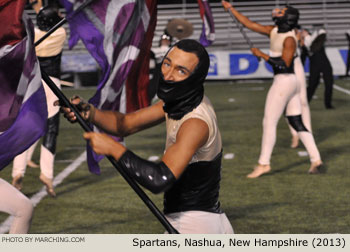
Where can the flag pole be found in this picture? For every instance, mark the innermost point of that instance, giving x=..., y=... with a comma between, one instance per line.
x=64, y=101
x=62, y=22
x=240, y=27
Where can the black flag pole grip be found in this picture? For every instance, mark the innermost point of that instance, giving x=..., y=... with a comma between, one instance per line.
x=153, y=208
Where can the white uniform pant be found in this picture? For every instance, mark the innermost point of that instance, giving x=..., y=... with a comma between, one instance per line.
x=46, y=162
x=16, y=204
x=46, y=157
x=305, y=110
x=200, y=222
x=283, y=95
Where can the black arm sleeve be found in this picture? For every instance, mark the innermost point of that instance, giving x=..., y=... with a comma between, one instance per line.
x=155, y=177
x=279, y=66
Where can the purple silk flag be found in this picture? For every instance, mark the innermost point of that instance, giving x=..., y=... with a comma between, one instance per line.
x=23, y=110
x=208, y=31
x=112, y=31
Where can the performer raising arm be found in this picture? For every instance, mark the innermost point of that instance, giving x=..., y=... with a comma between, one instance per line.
x=189, y=172
x=283, y=95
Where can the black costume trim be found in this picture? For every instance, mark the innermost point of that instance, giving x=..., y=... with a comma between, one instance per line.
x=49, y=140
x=197, y=189
x=297, y=123
x=51, y=65
x=155, y=177
x=279, y=66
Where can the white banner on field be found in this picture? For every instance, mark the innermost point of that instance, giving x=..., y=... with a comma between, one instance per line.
x=244, y=65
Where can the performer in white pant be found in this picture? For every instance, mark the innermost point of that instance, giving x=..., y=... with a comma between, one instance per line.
x=300, y=73
x=284, y=94
x=49, y=53
x=305, y=109
x=16, y=204
x=192, y=222
x=47, y=150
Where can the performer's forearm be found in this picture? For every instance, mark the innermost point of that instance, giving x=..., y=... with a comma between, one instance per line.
x=111, y=122
x=258, y=53
x=256, y=27
x=265, y=56
x=122, y=125
x=242, y=19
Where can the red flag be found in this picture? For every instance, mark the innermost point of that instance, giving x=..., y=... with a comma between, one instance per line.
x=138, y=78
x=12, y=29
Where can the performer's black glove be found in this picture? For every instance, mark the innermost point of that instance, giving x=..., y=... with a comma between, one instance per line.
x=85, y=109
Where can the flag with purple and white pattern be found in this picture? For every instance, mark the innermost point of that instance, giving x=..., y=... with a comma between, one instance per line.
x=113, y=31
x=23, y=110
x=207, y=36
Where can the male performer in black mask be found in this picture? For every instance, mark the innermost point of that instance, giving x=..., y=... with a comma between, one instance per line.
x=189, y=171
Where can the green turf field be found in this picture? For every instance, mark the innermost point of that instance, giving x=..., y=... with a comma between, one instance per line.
x=287, y=200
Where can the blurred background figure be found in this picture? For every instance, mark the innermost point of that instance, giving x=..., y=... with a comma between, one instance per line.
x=165, y=42
x=49, y=53
x=299, y=62
x=303, y=51
x=319, y=64
x=347, y=34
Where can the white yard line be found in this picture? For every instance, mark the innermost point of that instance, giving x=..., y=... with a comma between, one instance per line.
x=303, y=154
x=346, y=91
x=36, y=198
x=256, y=88
x=229, y=156
x=153, y=158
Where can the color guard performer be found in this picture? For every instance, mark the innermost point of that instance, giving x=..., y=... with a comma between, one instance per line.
x=283, y=95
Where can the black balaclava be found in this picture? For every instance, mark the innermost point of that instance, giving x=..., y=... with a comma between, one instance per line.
x=183, y=96
x=288, y=21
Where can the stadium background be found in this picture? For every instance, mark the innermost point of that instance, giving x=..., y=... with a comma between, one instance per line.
x=230, y=55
